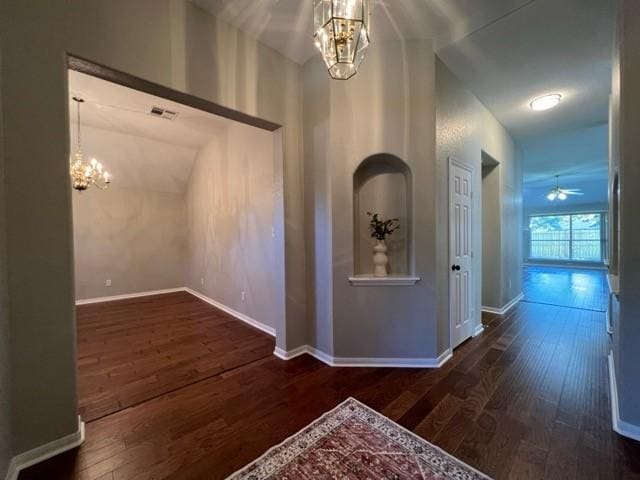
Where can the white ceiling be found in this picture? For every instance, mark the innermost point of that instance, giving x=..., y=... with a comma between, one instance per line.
x=121, y=109
x=548, y=46
x=580, y=157
x=139, y=150
x=287, y=25
x=595, y=193
x=506, y=51
x=138, y=162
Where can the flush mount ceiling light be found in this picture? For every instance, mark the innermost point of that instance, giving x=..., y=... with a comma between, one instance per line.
x=562, y=193
x=545, y=102
x=83, y=174
x=341, y=33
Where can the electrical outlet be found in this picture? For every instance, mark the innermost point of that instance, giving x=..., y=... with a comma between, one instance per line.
x=201, y=280
x=243, y=295
x=108, y=282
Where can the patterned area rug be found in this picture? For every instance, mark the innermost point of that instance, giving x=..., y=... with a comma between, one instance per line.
x=352, y=441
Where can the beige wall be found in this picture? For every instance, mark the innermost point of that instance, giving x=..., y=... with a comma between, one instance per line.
x=491, y=229
x=133, y=233
x=134, y=237
x=387, y=108
x=318, y=201
x=465, y=130
x=232, y=241
x=169, y=42
x=625, y=151
x=5, y=401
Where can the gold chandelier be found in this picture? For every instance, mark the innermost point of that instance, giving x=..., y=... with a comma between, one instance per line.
x=85, y=175
x=341, y=33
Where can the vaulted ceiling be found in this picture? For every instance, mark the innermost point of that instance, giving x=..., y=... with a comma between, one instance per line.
x=545, y=47
x=287, y=25
x=506, y=51
x=140, y=150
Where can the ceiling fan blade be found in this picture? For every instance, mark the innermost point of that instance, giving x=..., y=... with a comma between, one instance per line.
x=571, y=189
x=573, y=193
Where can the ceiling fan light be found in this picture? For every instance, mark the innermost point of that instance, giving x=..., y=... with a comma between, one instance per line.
x=562, y=196
x=551, y=196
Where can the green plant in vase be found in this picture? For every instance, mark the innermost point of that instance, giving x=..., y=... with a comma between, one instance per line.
x=380, y=229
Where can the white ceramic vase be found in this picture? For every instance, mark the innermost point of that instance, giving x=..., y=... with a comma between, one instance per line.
x=380, y=259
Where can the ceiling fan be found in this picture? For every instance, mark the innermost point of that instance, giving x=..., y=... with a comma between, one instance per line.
x=562, y=193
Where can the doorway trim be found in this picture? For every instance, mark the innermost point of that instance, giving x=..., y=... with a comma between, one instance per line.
x=103, y=72
x=469, y=167
x=112, y=75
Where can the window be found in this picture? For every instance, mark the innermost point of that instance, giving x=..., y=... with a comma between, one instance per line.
x=579, y=237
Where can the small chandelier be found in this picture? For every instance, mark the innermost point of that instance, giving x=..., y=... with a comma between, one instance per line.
x=84, y=175
x=341, y=33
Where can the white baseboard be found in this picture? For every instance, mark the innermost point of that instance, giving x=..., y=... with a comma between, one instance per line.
x=44, y=452
x=364, y=361
x=288, y=355
x=128, y=295
x=478, y=330
x=623, y=428
x=503, y=310
x=240, y=316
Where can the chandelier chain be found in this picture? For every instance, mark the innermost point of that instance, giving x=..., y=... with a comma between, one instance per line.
x=78, y=118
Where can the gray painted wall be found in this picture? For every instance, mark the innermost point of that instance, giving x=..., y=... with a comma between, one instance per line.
x=387, y=108
x=170, y=42
x=491, y=228
x=133, y=233
x=625, y=152
x=465, y=129
x=5, y=401
x=134, y=237
x=317, y=193
x=231, y=200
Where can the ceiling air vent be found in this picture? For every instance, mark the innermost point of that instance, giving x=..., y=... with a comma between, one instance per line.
x=163, y=113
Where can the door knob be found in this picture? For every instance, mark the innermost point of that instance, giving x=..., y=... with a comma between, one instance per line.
x=455, y=268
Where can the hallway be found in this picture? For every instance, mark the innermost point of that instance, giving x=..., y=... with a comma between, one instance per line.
x=565, y=286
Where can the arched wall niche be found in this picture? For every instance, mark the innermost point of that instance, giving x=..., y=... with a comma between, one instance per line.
x=383, y=184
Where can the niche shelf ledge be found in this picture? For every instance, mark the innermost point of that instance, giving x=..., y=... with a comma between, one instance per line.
x=388, y=281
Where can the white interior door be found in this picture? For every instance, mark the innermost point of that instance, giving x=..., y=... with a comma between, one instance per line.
x=461, y=241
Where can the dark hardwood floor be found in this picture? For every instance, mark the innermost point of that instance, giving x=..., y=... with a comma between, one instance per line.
x=130, y=351
x=528, y=398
